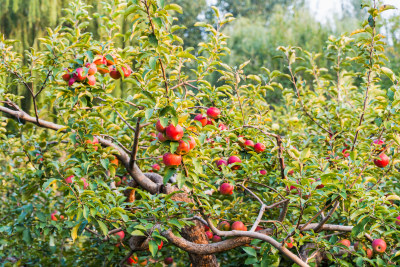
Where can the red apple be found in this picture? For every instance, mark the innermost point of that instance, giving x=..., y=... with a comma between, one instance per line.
x=220, y=163
x=133, y=260
x=92, y=68
x=206, y=228
x=248, y=144
x=161, y=245
x=66, y=76
x=226, y=189
x=71, y=81
x=183, y=148
x=155, y=167
x=94, y=142
x=259, y=147
x=201, y=119
x=290, y=172
x=263, y=172
x=192, y=142
x=344, y=153
x=398, y=220
x=114, y=73
x=68, y=180
x=213, y=112
x=170, y=159
x=290, y=244
x=100, y=60
x=222, y=127
x=168, y=260
x=154, y=135
x=127, y=71
x=209, y=235
x=85, y=183
x=53, y=216
x=216, y=238
x=79, y=76
x=161, y=137
x=383, y=161
x=174, y=133
x=159, y=127
x=121, y=180
x=120, y=235
x=224, y=226
x=232, y=160
x=345, y=242
x=91, y=80
x=379, y=245
x=369, y=253
x=110, y=61
x=210, y=122
x=258, y=228
x=239, y=226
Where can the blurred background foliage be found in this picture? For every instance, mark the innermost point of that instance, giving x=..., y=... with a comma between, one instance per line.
x=260, y=27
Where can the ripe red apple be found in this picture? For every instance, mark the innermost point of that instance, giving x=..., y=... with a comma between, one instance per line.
x=111, y=61
x=291, y=243
x=344, y=153
x=192, y=142
x=79, y=76
x=209, y=235
x=232, y=160
x=239, y=226
x=133, y=260
x=320, y=185
x=183, y=148
x=290, y=172
x=170, y=159
x=100, y=60
x=94, y=142
x=174, y=133
x=127, y=71
x=220, y=163
x=155, y=167
x=216, y=238
x=92, y=68
x=85, y=183
x=91, y=80
x=222, y=127
x=398, y=220
x=121, y=180
x=168, y=260
x=379, y=245
x=68, y=180
x=159, y=127
x=53, y=216
x=258, y=228
x=383, y=161
x=114, y=73
x=201, y=119
x=226, y=189
x=259, y=147
x=210, y=122
x=213, y=112
x=161, y=137
x=224, y=226
x=66, y=76
x=378, y=142
x=345, y=242
x=71, y=81
x=161, y=245
x=248, y=144
x=263, y=172
x=206, y=228
x=154, y=135
x=120, y=235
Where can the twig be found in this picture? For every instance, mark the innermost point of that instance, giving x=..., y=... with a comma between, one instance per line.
x=135, y=144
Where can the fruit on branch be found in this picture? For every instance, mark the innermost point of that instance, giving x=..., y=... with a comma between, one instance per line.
x=238, y=226
x=114, y=73
x=110, y=60
x=398, y=220
x=155, y=167
x=154, y=135
x=159, y=127
x=91, y=80
x=206, y=228
x=103, y=69
x=53, y=216
x=66, y=76
x=258, y=228
x=221, y=162
x=121, y=180
x=216, y=238
x=120, y=235
x=259, y=147
x=378, y=144
x=85, y=183
x=383, y=161
x=127, y=71
x=379, y=245
x=192, y=142
x=94, y=142
x=344, y=153
x=210, y=122
x=133, y=260
x=161, y=245
x=233, y=160
x=92, y=68
x=201, y=119
x=79, y=75
x=294, y=190
x=213, y=112
x=290, y=244
x=248, y=144
x=68, y=180
x=224, y=226
x=161, y=137
x=263, y=172
x=209, y=235
x=143, y=263
x=222, y=127
x=345, y=242
x=100, y=60
x=170, y=159
x=226, y=189
x=71, y=81
x=183, y=147
x=290, y=172
x=168, y=260
x=115, y=161
x=174, y=133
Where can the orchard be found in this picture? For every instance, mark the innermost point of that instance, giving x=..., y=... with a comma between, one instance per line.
x=193, y=165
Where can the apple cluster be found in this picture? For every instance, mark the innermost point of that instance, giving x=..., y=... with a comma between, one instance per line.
x=101, y=64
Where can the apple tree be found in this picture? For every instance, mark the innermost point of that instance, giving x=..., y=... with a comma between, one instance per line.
x=184, y=170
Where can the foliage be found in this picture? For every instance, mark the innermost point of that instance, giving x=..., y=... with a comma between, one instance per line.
x=322, y=135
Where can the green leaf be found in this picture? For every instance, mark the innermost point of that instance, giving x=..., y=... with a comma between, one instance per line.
x=359, y=228
x=153, y=40
x=148, y=113
x=251, y=251
x=48, y=183
x=26, y=236
x=138, y=233
x=103, y=227
x=185, y=54
x=168, y=174
x=153, y=63
x=388, y=72
x=175, y=7
x=74, y=232
x=153, y=247
x=161, y=3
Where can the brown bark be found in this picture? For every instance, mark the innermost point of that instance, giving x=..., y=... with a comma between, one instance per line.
x=197, y=235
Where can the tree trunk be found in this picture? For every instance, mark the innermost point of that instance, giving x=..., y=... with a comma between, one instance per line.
x=197, y=235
